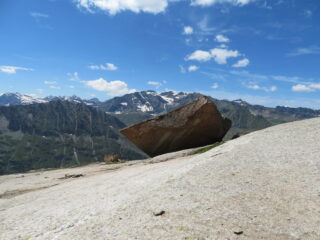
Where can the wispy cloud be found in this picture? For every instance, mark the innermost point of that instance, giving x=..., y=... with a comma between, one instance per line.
x=193, y=68
x=38, y=15
x=13, y=69
x=248, y=76
x=41, y=19
x=54, y=87
x=50, y=82
x=214, y=76
x=74, y=77
x=215, y=86
x=289, y=79
x=305, y=51
x=107, y=66
x=258, y=87
x=154, y=83
x=306, y=87
x=307, y=13
x=182, y=69
x=262, y=77
x=212, y=2
x=270, y=101
x=204, y=27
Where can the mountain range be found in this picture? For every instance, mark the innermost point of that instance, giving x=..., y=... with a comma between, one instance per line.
x=59, y=134
x=57, y=131
x=138, y=106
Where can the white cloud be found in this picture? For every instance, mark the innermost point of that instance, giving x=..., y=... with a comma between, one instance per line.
x=193, y=68
x=107, y=66
x=258, y=87
x=148, y=6
x=242, y=63
x=215, y=86
x=112, y=88
x=306, y=88
x=38, y=15
x=71, y=86
x=199, y=55
x=13, y=69
x=116, y=6
x=212, y=2
x=50, y=82
x=222, y=39
x=153, y=83
x=305, y=51
x=187, y=30
x=220, y=55
x=301, y=88
x=223, y=46
x=315, y=86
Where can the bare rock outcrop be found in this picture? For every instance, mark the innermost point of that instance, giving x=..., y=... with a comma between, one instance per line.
x=196, y=124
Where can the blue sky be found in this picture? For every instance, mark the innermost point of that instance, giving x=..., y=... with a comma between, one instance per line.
x=263, y=51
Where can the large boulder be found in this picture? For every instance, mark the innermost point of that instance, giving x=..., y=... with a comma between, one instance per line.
x=196, y=124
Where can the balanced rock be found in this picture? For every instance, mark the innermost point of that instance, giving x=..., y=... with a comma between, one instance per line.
x=196, y=124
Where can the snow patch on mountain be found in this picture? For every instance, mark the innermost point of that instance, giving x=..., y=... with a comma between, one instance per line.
x=241, y=102
x=152, y=93
x=145, y=108
x=167, y=99
x=8, y=99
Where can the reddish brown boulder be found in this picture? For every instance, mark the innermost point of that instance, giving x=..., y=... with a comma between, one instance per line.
x=196, y=124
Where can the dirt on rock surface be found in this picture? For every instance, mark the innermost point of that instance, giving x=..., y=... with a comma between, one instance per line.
x=264, y=185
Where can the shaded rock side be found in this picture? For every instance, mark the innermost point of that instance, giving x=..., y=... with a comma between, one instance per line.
x=196, y=124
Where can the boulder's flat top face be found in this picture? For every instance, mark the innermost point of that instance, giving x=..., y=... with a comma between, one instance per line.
x=264, y=185
x=199, y=123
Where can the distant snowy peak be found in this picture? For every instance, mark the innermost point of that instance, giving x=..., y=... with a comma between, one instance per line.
x=8, y=99
x=241, y=102
x=75, y=99
x=149, y=102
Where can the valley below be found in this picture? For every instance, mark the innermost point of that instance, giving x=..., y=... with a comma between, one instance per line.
x=264, y=185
